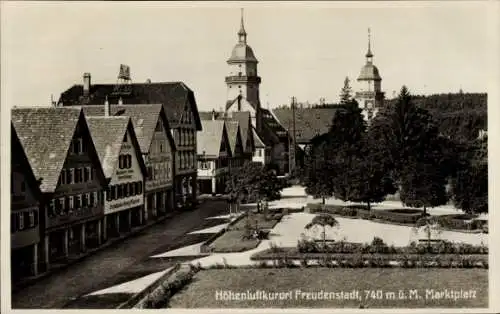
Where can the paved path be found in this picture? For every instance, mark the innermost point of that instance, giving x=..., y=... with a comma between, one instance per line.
x=104, y=268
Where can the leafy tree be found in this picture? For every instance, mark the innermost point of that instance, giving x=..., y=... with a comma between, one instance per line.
x=410, y=142
x=470, y=184
x=346, y=92
x=323, y=220
x=369, y=181
x=253, y=182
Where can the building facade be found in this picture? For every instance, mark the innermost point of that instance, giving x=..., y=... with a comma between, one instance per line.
x=158, y=151
x=62, y=154
x=214, y=155
x=181, y=111
x=121, y=157
x=24, y=214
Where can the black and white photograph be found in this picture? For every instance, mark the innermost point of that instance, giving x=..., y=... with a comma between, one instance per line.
x=263, y=156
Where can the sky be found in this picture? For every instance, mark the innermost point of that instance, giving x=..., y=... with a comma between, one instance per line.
x=304, y=49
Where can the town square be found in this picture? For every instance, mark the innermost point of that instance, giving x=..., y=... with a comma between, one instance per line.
x=248, y=156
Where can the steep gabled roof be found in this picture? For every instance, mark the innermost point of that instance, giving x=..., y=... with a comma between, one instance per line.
x=309, y=122
x=144, y=118
x=46, y=134
x=258, y=141
x=174, y=96
x=108, y=134
x=210, y=138
x=243, y=118
x=19, y=155
x=233, y=132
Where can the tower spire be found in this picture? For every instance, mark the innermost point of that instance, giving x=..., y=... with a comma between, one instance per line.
x=369, y=54
x=242, y=34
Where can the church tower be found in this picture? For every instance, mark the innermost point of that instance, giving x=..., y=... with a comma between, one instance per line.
x=369, y=96
x=243, y=81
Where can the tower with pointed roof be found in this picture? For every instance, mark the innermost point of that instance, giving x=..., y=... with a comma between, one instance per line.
x=369, y=95
x=243, y=81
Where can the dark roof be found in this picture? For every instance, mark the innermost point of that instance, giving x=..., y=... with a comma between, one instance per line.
x=210, y=138
x=232, y=129
x=107, y=134
x=144, y=118
x=243, y=118
x=309, y=122
x=46, y=134
x=18, y=154
x=174, y=96
x=258, y=140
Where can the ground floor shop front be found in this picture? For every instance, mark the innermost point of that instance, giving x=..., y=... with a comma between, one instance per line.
x=185, y=187
x=158, y=203
x=212, y=185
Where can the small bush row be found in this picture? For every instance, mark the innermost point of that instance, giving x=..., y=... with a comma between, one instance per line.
x=161, y=295
x=366, y=261
x=380, y=247
x=398, y=216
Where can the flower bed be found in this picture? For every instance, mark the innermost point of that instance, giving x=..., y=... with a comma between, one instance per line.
x=401, y=216
x=236, y=238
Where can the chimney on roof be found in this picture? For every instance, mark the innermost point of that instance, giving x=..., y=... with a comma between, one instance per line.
x=213, y=114
x=86, y=84
x=120, y=101
x=106, y=107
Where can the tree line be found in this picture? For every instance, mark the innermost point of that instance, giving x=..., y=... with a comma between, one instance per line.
x=402, y=149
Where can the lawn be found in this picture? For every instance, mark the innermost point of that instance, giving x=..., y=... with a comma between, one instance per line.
x=387, y=288
x=232, y=240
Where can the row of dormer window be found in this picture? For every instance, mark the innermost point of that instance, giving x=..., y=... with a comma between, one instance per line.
x=119, y=191
x=77, y=175
x=187, y=159
x=68, y=204
x=125, y=161
x=23, y=220
x=186, y=137
x=78, y=146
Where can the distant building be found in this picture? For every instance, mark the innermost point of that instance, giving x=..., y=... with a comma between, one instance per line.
x=369, y=95
x=214, y=154
x=181, y=110
x=243, y=84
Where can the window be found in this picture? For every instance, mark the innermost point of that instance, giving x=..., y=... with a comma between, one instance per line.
x=66, y=204
x=20, y=220
x=31, y=219
x=69, y=175
x=71, y=203
x=85, y=200
x=61, y=203
x=114, y=192
x=161, y=148
x=92, y=173
x=77, y=175
x=78, y=201
x=86, y=174
x=140, y=187
x=96, y=199
x=51, y=208
x=119, y=191
x=133, y=189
